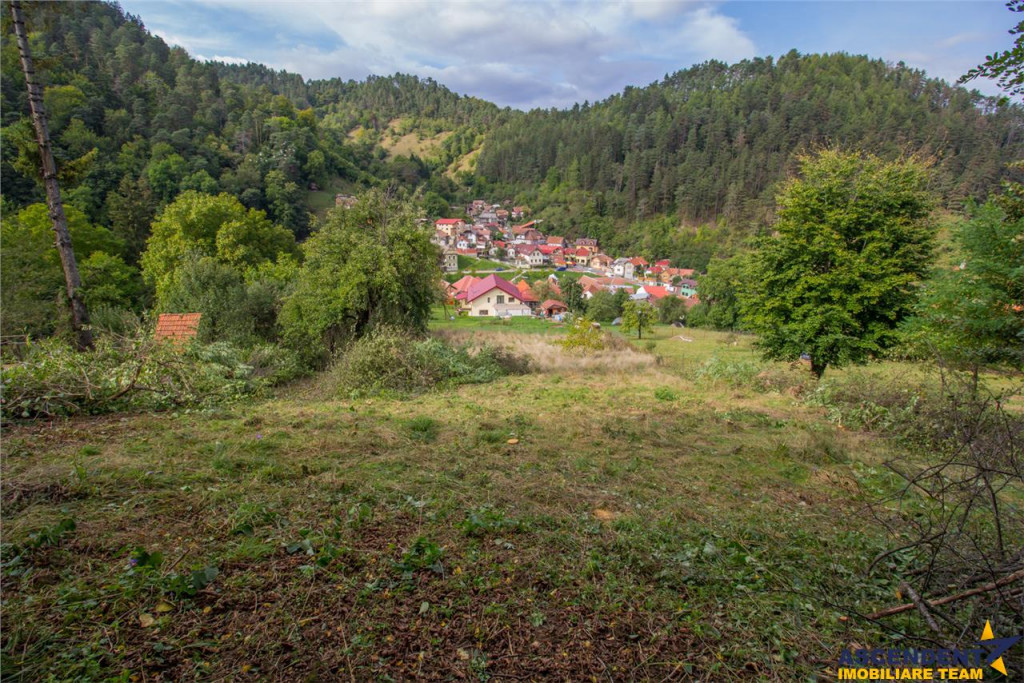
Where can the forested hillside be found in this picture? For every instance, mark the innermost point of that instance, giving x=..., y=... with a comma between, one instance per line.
x=710, y=142
x=137, y=122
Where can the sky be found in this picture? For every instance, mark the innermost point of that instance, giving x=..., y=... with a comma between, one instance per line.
x=541, y=53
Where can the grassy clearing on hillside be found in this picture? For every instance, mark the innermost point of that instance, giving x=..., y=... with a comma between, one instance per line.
x=468, y=263
x=609, y=521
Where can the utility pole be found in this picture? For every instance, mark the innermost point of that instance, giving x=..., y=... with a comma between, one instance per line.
x=72, y=278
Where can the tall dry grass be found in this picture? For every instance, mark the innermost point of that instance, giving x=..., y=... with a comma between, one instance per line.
x=545, y=356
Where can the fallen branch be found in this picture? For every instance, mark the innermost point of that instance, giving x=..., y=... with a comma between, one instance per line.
x=888, y=612
x=906, y=589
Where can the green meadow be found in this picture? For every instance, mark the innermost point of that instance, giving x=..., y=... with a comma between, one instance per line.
x=669, y=509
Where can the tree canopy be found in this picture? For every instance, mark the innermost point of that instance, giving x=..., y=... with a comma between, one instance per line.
x=851, y=243
x=367, y=266
x=198, y=224
x=30, y=270
x=972, y=314
x=639, y=317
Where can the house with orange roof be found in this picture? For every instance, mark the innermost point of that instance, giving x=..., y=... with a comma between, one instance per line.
x=669, y=274
x=528, y=297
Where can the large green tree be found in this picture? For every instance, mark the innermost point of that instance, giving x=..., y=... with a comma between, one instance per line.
x=604, y=307
x=841, y=270
x=367, y=266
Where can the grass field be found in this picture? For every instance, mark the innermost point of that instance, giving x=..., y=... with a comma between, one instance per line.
x=468, y=263
x=630, y=518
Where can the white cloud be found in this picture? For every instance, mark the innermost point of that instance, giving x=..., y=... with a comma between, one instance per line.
x=716, y=36
x=222, y=58
x=523, y=54
x=961, y=38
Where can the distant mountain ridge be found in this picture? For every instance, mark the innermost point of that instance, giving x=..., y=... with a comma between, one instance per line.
x=706, y=144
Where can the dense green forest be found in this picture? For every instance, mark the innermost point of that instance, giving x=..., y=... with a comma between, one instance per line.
x=686, y=168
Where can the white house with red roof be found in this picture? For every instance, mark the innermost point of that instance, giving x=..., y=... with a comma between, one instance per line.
x=494, y=296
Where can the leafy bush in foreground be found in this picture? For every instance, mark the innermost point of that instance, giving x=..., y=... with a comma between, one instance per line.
x=136, y=374
x=390, y=360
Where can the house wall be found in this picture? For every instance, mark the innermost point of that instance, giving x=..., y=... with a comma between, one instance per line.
x=484, y=305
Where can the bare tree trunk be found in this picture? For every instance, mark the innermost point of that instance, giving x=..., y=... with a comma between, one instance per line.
x=72, y=279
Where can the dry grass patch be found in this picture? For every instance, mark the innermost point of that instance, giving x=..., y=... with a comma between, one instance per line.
x=547, y=357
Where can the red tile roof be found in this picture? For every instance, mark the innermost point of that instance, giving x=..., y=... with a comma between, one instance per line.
x=448, y=221
x=178, y=327
x=552, y=304
x=481, y=287
x=655, y=292
x=463, y=284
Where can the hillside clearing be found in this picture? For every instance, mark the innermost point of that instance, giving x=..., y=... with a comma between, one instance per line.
x=585, y=520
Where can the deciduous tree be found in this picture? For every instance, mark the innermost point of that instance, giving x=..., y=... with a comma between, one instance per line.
x=638, y=316
x=841, y=270
x=216, y=226
x=367, y=266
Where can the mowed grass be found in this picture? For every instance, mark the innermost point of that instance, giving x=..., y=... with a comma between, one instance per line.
x=590, y=522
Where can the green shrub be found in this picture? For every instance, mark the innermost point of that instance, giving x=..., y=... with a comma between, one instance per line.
x=275, y=364
x=583, y=336
x=665, y=394
x=867, y=402
x=135, y=374
x=388, y=359
x=732, y=372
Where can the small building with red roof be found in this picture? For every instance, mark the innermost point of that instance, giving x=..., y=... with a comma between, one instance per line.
x=551, y=308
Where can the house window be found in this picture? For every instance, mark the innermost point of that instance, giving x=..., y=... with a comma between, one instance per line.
x=501, y=299
x=483, y=311
x=488, y=299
